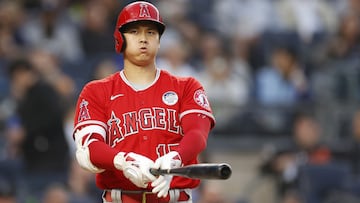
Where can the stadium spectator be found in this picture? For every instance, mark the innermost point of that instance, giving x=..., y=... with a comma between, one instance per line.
x=283, y=82
x=345, y=43
x=11, y=19
x=310, y=20
x=40, y=112
x=103, y=68
x=50, y=30
x=7, y=191
x=305, y=148
x=223, y=84
x=96, y=28
x=56, y=193
x=174, y=55
x=81, y=185
x=49, y=67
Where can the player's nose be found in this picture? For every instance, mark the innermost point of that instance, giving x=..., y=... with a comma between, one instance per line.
x=143, y=37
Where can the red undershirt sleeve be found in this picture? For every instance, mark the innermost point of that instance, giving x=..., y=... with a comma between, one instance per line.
x=196, y=129
x=101, y=155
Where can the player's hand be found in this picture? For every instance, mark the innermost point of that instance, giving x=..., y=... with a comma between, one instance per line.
x=161, y=185
x=135, y=167
x=143, y=163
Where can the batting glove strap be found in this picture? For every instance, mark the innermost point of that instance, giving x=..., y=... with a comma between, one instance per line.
x=169, y=160
x=135, y=175
x=119, y=160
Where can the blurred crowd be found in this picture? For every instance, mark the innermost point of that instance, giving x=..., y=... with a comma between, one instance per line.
x=261, y=63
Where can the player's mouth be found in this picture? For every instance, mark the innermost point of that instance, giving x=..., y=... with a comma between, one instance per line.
x=143, y=49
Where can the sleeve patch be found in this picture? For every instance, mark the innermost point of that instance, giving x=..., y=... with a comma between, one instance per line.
x=200, y=98
x=83, y=111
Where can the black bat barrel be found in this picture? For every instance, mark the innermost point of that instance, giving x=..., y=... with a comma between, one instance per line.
x=199, y=171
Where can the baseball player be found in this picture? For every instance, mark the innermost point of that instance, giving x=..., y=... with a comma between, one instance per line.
x=140, y=118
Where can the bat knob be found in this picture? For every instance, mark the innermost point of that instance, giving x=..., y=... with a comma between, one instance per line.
x=225, y=171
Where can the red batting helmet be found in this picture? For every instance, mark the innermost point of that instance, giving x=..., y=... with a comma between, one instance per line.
x=136, y=11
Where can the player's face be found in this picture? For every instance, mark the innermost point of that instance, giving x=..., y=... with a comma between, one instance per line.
x=142, y=42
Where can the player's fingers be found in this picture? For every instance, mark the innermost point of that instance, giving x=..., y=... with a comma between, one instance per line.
x=158, y=181
x=158, y=163
x=160, y=189
x=149, y=176
x=163, y=193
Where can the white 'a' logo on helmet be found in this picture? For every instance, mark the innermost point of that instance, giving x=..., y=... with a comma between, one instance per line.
x=144, y=11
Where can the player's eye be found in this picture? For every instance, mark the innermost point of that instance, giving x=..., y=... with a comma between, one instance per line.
x=132, y=31
x=151, y=32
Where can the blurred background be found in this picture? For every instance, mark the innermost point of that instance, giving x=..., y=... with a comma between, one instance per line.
x=283, y=78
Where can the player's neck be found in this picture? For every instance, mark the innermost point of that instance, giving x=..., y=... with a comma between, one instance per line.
x=140, y=75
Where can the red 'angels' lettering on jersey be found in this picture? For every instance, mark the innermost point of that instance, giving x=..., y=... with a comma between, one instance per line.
x=172, y=121
x=144, y=11
x=159, y=118
x=147, y=122
x=130, y=123
x=144, y=119
x=114, y=128
x=83, y=111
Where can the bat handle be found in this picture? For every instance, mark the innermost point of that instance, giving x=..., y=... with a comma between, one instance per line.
x=155, y=172
x=158, y=171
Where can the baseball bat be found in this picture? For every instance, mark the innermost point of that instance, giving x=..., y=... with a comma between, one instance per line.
x=198, y=171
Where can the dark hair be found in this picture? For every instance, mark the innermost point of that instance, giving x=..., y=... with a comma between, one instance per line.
x=288, y=48
x=18, y=65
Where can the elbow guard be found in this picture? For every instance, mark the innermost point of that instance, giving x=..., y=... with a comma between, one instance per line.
x=83, y=138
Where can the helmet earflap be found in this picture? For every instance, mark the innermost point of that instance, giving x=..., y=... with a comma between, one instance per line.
x=120, y=42
x=136, y=11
